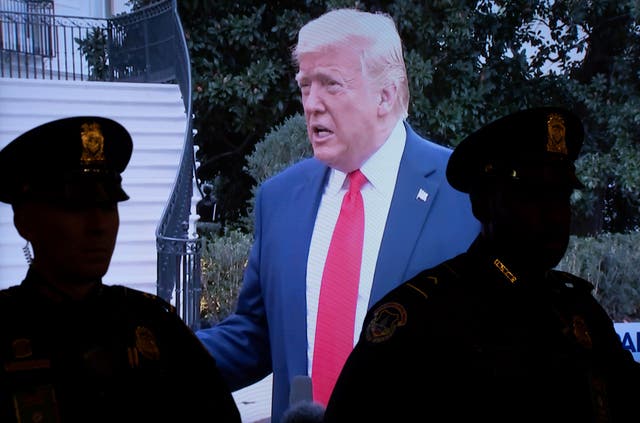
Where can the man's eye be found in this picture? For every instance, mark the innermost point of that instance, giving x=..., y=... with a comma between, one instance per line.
x=333, y=86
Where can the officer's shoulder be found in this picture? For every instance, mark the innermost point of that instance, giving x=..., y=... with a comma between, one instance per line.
x=429, y=284
x=120, y=293
x=571, y=281
x=403, y=308
x=435, y=281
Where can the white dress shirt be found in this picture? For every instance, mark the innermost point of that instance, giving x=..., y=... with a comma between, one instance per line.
x=381, y=171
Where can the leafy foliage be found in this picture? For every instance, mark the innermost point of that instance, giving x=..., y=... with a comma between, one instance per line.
x=127, y=49
x=243, y=86
x=223, y=261
x=94, y=48
x=611, y=263
x=283, y=146
x=225, y=254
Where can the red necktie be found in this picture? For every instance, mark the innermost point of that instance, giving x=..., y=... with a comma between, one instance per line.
x=339, y=292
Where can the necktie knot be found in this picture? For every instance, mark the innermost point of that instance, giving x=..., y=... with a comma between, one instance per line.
x=356, y=180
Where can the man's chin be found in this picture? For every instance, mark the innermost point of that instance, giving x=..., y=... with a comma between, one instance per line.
x=92, y=271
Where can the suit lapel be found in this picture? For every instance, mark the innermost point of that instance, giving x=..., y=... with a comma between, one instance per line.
x=305, y=192
x=412, y=199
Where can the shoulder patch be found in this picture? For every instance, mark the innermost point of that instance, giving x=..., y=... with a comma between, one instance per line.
x=386, y=318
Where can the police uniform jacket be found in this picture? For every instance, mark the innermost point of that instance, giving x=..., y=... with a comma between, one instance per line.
x=474, y=339
x=119, y=355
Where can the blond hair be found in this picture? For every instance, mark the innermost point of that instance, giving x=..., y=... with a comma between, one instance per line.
x=382, y=57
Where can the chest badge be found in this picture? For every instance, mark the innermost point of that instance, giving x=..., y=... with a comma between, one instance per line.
x=146, y=343
x=581, y=332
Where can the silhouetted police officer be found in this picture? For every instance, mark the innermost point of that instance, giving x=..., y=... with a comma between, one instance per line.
x=71, y=348
x=495, y=334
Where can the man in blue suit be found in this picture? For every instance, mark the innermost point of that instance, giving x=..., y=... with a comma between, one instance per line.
x=355, y=97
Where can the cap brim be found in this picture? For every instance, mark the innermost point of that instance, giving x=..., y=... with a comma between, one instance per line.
x=94, y=192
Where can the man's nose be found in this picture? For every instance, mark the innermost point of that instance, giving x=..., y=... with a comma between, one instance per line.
x=314, y=102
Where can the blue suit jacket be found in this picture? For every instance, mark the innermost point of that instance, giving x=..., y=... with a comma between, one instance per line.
x=268, y=331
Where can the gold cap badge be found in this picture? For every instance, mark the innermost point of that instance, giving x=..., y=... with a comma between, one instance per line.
x=556, y=132
x=92, y=144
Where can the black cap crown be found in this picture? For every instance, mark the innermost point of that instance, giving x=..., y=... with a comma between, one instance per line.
x=76, y=159
x=518, y=147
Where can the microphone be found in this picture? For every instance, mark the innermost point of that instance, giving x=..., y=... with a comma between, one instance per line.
x=301, y=389
x=302, y=409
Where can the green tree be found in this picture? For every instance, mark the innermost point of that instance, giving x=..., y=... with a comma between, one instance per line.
x=468, y=61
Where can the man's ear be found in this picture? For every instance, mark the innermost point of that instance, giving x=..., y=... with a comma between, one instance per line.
x=387, y=99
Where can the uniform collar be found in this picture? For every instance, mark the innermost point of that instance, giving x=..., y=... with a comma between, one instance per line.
x=506, y=269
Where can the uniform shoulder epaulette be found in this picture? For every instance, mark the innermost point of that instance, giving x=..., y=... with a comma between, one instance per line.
x=572, y=281
x=430, y=280
x=141, y=297
x=424, y=283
